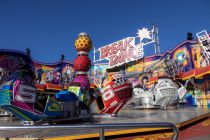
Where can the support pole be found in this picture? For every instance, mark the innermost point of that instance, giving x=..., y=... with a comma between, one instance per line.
x=101, y=134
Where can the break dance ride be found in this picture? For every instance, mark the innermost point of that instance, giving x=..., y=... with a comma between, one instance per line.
x=20, y=97
x=123, y=53
x=164, y=93
x=113, y=95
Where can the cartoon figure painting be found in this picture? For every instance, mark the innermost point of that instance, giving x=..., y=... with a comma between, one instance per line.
x=67, y=75
x=144, y=81
x=60, y=74
x=39, y=73
x=49, y=77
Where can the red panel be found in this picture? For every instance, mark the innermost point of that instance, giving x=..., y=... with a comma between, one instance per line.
x=53, y=87
x=40, y=87
x=202, y=71
x=82, y=63
x=188, y=74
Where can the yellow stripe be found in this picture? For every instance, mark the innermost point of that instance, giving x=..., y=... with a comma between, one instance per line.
x=21, y=114
x=20, y=138
x=193, y=120
x=202, y=74
x=111, y=133
x=188, y=77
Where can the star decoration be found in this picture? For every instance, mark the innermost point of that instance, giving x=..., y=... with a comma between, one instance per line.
x=144, y=33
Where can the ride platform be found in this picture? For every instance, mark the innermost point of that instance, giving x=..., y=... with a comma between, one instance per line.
x=181, y=117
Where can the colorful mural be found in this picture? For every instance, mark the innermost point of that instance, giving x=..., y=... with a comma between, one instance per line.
x=60, y=73
x=97, y=73
x=190, y=64
x=16, y=63
x=182, y=54
x=142, y=64
x=196, y=55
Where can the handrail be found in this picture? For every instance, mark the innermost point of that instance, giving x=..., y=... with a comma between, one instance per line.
x=101, y=127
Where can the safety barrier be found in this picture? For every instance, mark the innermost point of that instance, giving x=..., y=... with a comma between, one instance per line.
x=101, y=127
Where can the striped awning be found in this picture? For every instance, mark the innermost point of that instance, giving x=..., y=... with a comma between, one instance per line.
x=202, y=71
x=40, y=87
x=47, y=86
x=187, y=75
x=196, y=73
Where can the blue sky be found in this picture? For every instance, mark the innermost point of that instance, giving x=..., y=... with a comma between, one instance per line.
x=50, y=27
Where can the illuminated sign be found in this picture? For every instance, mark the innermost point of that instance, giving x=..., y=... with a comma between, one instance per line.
x=204, y=40
x=125, y=50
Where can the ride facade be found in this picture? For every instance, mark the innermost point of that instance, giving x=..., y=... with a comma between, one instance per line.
x=186, y=66
x=20, y=97
x=36, y=92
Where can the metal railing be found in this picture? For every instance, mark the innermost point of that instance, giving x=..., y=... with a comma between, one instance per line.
x=101, y=127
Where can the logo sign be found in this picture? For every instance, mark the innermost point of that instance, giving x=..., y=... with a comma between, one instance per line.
x=203, y=38
x=121, y=52
x=24, y=92
x=204, y=41
x=125, y=50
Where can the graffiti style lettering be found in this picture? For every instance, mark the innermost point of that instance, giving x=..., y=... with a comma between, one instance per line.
x=108, y=94
x=121, y=52
x=128, y=44
x=104, y=53
x=49, y=77
x=123, y=57
x=116, y=47
x=11, y=63
x=25, y=93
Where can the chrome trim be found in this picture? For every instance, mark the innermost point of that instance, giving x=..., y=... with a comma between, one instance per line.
x=100, y=127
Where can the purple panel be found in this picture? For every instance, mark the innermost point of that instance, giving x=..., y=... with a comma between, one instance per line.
x=83, y=80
